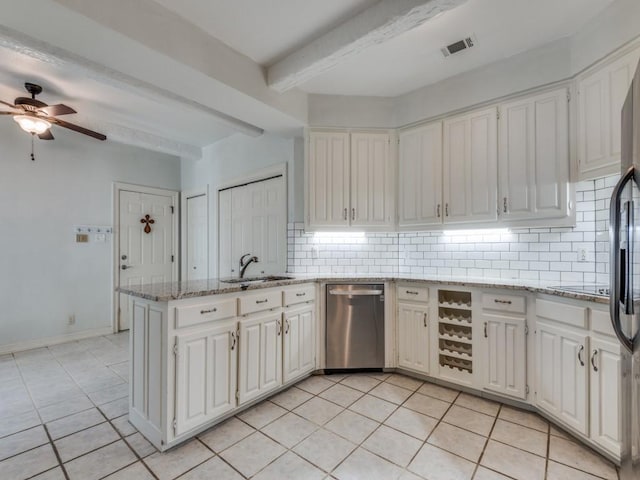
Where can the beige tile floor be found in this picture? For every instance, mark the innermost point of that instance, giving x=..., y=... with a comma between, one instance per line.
x=63, y=415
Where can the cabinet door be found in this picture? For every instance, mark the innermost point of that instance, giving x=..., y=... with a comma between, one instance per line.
x=562, y=386
x=260, y=350
x=328, y=179
x=605, y=391
x=299, y=342
x=413, y=337
x=534, y=157
x=205, y=376
x=506, y=354
x=470, y=167
x=372, y=191
x=420, y=186
x=601, y=96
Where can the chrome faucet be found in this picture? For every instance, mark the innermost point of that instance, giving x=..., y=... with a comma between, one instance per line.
x=244, y=265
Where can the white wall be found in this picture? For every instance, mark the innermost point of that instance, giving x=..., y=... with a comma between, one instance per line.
x=233, y=159
x=44, y=275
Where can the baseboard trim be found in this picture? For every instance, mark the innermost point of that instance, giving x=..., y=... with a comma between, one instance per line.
x=48, y=341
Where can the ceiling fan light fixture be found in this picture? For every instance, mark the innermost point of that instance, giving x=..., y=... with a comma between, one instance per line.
x=33, y=125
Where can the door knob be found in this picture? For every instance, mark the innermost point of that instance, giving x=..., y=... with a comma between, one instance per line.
x=125, y=267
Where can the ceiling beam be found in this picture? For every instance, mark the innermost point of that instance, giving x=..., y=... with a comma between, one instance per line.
x=379, y=23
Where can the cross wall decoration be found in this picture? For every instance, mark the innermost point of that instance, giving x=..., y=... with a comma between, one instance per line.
x=149, y=221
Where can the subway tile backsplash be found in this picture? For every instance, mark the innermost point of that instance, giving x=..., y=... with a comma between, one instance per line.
x=548, y=254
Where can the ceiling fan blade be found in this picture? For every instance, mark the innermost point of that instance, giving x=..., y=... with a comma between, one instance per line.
x=46, y=135
x=77, y=128
x=8, y=113
x=55, y=110
x=8, y=104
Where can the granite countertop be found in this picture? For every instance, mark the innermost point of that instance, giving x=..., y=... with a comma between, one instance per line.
x=165, y=292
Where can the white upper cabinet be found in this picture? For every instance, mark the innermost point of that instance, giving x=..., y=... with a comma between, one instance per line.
x=601, y=92
x=350, y=181
x=328, y=179
x=420, y=182
x=372, y=191
x=534, y=157
x=470, y=167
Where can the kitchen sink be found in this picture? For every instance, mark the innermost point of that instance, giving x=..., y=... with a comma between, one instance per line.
x=267, y=278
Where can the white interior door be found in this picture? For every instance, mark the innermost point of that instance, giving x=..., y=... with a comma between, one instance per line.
x=146, y=247
x=195, y=232
x=253, y=220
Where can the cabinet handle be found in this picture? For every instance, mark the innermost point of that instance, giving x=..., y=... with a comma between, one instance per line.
x=438, y=210
x=211, y=310
x=233, y=340
x=301, y=294
x=424, y=319
x=345, y=213
x=287, y=324
x=353, y=214
x=446, y=209
x=485, y=330
x=504, y=204
x=506, y=302
x=580, y=355
x=593, y=360
x=262, y=301
x=411, y=292
x=279, y=327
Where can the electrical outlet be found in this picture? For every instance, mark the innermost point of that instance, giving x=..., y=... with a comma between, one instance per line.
x=72, y=319
x=582, y=254
x=314, y=251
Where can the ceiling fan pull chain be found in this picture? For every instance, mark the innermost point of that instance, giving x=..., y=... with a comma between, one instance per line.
x=33, y=159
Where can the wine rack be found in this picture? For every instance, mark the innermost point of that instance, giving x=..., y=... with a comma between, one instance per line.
x=455, y=335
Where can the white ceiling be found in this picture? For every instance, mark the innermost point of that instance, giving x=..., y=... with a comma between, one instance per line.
x=105, y=104
x=503, y=28
x=274, y=28
x=266, y=31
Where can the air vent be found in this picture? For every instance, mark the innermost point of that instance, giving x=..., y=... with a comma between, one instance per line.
x=459, y=46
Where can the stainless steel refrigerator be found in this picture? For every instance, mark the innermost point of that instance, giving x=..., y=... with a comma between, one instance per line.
x=624, y=225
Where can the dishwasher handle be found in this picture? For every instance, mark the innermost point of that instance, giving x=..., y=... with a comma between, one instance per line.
x=355, y=293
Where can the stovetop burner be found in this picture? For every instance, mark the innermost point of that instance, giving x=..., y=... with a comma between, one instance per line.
x=600, y=290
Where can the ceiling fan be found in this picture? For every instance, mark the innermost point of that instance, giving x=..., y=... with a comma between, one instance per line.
x=36, y=117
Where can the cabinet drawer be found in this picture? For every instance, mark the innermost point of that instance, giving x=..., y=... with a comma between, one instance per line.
x=562, y=312
x=259, y=302
x=205, y=312
x=504, y=303
x=293, y=296
x=601, y=322
x=412, y=293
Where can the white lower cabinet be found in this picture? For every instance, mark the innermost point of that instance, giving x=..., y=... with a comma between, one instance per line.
x=505, y=347
x=260, y=352
x=299, y=342
x=413, y=337
x=562, y=374
x=205, y=375
x=605, y=393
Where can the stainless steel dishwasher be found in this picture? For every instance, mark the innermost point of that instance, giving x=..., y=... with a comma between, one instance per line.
x=355, y=326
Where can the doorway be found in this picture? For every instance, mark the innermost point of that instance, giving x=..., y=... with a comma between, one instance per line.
x=195, y=235
x=146, y=233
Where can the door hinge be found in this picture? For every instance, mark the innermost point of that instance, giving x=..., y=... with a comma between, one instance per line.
x=498, y=114
x=526, y=389
x=237, y=394
x=175, y=349
x=526, y=328
x=172, y=258
x=172, y=209
x=568, y=95
x=175, y=426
